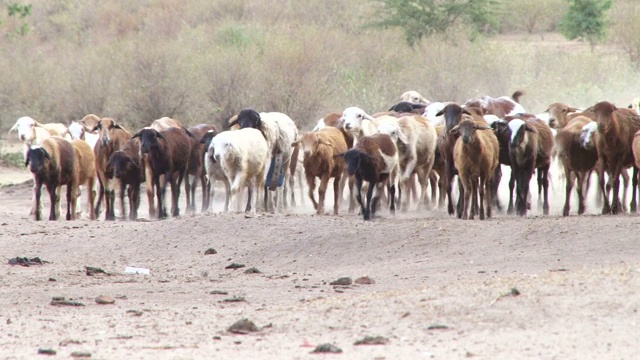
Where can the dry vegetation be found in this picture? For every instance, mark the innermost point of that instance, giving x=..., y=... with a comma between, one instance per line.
x=201, y=61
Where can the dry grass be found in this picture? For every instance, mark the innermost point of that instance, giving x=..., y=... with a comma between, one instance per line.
x=202, y=61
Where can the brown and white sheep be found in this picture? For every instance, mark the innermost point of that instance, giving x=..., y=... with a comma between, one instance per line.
x=320, y=160
x=475, y=156
x=413, y=96
x=616, y=129
x=112, y=138
x=52, y=164
x=373, y=159
x=501, y=106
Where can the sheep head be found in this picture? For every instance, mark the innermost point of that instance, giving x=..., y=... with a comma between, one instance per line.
x=467, y=130
x=452, y=114
x=352, y=118
x=76, y=130
x=355, y=159
x=37, y=158
x=558, y=114
x=104, y=128
x=148, y=139
x=247, y=118
x=587, y=135
x=414, y=97
x=519, y=129
x=26, y=129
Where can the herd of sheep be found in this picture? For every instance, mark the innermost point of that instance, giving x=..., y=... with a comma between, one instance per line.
x=393, y=156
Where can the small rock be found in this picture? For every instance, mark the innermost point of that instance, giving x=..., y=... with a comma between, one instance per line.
x=365, y=280
x=234, y=266
x=219, y=292
x=341, y=281
x=234, y=299
x=437, y=327
x=372, y=340
x=514, y=292
x=326, y=348
x=69, y=341
x=42, y=351
x=217, y=338
x=135, y=312
x=105, y=300
x=252, y=270
x=52, y=279
x=243, y=326
x=61, y=301
x=81, y=354
x=92, y=271
x=210, y=251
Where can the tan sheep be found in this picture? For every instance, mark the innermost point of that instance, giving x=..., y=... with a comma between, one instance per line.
x=84, y=173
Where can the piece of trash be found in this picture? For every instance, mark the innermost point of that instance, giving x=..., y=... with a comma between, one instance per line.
x=327, y=348
x=512, y=292
x=42, y=351
x=234, y=266
x=243, y=326
x=25, y=261
x=342, y=281
x=372, y=340
x=92, y=271
x=135, y=270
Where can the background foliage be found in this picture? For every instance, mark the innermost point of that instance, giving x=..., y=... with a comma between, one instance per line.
x=202, y=60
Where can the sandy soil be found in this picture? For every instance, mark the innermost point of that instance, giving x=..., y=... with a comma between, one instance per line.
x=577, y=279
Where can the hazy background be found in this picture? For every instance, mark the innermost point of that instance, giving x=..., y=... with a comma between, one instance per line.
x=202, y=60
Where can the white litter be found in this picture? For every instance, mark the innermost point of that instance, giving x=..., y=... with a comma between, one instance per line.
x=135, y=270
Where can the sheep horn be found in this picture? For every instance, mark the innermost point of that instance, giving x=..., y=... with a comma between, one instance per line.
x=234, y=122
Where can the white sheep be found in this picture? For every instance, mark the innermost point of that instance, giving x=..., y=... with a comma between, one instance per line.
x=78, y=131
x=242, y=155
x=416, y=140
x=279, y=132
x=413, y=96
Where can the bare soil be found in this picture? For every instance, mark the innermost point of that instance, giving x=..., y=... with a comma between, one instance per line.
x=541, y=287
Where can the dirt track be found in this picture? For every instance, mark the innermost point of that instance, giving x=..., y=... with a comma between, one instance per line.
x=578, y=279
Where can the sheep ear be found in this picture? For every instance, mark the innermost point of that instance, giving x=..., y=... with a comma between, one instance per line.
x=455, y=130
x=95, y=129
x=440, y=113
x=482, y=127
x=159, y=134
x=234, y=122
x=572, y=109
x=136, y=135
x=465, y=111
x=117, y=126
x=46, y=154
x=530, y=128
x=295, y=143
x=26, y=162
x=403, y=137
x=15, y=126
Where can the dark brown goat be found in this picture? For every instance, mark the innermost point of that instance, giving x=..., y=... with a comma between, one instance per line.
x=165, y=155
x=52, y=164
x=112, y=138
x=616, y=129
x=196, y=168
x=125, y=166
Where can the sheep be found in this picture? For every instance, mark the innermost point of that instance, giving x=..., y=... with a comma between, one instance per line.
x=413, y=96
x=52, y=164
x=577, y=161
x=320, y=160
x=77, y=130
x=408, y=107
x=475, y=156
x=243, y=156
x=453, y=115
x=416, y=141
x=196, y=168
x=165, y=123
x=588, y=140
x=359, y=123
x=213, y=170
x=125, y=166
x=279, y=132
x=30, y=132
x=501, y=106
x=165, y=155
x=616, y=130
x=84, y=171
x=112, y=138
x=530, y=145
x=373, y=159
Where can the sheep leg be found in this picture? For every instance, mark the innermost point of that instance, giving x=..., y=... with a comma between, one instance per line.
x=324, y=182
x=540, y=186
x=358, y=185
x=495, y=185
x=522, y=193
x=461, y=193
x=474, y=198
x=449, y=174
x=433, y=182
x=370, y=208
x=544, y=177
x=176, y=181
x=391, y=188
x=625, y=182
x=568, y=190
x=606, y=205
x=582, y=178
x=53, y=198
x=441, y=192
x=37, y=187
x=108, y=201
x=464, y=214
x=488, y=189
x=71, y=202
x=512, y=184
x=249, y=198
x=121, y=189
x=96, y=210
x=206, y=192
x=161, y=186
x=227, y=192
x=91, y=197
x=633, y=207
x=336, y=194
x=615, y=201
x=352, y=193
x=404, y=203
x=151, y=182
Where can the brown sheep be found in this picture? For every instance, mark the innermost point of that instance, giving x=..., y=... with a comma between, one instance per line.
x=635, y=148
x=616, y=129
x=320, y=160
x=196, y=168
x=577, y=161
x=84, y=173
x=125, y=166
x=52, y=164
x=475, y=156
x=112, y=138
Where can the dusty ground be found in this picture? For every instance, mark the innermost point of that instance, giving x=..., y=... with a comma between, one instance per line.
x=577, y=278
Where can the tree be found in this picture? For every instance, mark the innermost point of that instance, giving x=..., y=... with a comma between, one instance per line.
x=422, y=18
x=586, y=20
